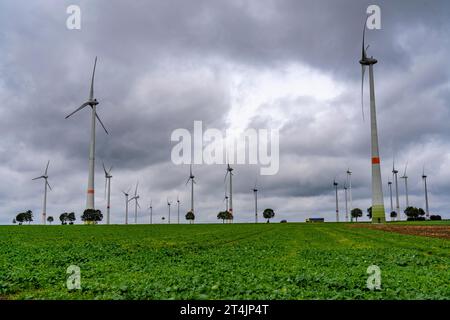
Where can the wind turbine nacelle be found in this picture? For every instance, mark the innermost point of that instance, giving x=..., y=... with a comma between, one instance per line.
x=368, y=61
x=93, y=102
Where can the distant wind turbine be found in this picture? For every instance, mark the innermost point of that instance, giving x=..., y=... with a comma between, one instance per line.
x=108, y=177
x=405, y=177
x=136, y=202
x=46, y=184
x=178, y=210
x=192, y=179
x=230, y=174
x=397, y=202
x=378, y=213
x=151, y=211
x=424, y=178
x=126, y=194
x=390, y=193
x=92, y=102
x=346, y=202
x=349, y=180
x=255, y=193
x=168, y=204
x=335, y=184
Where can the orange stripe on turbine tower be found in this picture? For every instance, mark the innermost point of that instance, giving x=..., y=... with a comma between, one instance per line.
x=375, y=160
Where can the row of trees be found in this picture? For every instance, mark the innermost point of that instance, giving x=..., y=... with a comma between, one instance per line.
x=228, y=216
x=413, y=214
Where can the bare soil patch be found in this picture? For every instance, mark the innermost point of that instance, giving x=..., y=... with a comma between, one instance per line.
x=426, y=231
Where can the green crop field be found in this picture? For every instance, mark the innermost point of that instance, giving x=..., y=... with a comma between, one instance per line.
x=231, y=261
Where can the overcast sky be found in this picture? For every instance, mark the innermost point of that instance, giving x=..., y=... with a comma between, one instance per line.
x=264, y=64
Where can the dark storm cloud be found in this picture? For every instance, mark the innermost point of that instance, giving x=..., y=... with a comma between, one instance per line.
x=164, y=64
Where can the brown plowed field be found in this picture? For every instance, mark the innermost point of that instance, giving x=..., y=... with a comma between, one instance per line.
x=426, y=231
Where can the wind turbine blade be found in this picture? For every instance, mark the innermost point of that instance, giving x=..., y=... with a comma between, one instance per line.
x=98, y=118
x=190, y=170
x=137, y=202
x=406, y=167
x=135, y=190
x=78, y=109
x=46, y=168
x=188, y=181
x=91, y=93
x=38, y=178
x=225, y=179
x=48, y=184
x=106, y=180
x=104, y=169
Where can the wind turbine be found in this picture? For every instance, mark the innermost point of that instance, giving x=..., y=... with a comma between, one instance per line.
x=390, y=193
x=136, y=203
x=346, y=204
x=230, y=173
x=191, y=178
x=397, y=202
x=151, y=211
x=378, y=213
x=335, y=184
x=108, y=177
x=225, y=199
x=349, y=180
x=126, y=194
x=92, y=102
x=405, y=177
x=255, y=192
x=424, y=178
x=178, y=210
x=168, y=204
x=46, y=184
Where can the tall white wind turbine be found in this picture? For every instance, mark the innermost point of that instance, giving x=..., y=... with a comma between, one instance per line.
x=108, y=177
x=92, y=102
x=46, y=184
x=230, y=201
x=136, y=202
x=424, y=178
x=405, y=177
x=378, y=212
x=335, y=184
x=192, y=179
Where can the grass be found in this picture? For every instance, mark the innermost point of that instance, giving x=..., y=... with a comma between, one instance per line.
x=237, y=261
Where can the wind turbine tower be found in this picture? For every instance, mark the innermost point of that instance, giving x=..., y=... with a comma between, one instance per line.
x=397, y=202
x=192, y=179
x=349, y=179
x=335, y=184
x=126, y=194
x=230, y=174
x=405, y=177
x=46, y=184
x=390, y=193
x=378, y=213
x=92, y=102
x=151, y=211
x=346, y=202
x=108, y=177
x=168, y=204
x=136, y=203
x=255, y=192
x=178, y=210
x=424, y=178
